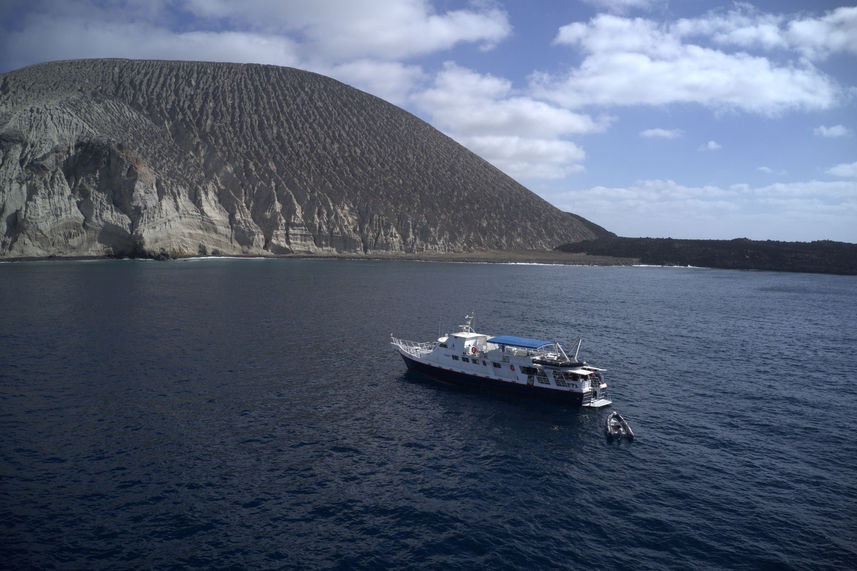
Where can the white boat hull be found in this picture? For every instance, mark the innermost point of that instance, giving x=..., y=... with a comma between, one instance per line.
x=509, y=379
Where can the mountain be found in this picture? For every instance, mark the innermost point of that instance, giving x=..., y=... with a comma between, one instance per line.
x=154, y=158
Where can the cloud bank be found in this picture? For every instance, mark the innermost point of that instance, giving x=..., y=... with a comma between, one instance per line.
x=780, y=211
x=636, y=61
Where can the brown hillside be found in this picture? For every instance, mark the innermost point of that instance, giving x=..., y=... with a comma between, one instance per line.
x=120, y=157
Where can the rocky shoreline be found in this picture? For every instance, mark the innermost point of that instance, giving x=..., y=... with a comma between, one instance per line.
x=815, y=257
x=479, y=257
x=821, y=257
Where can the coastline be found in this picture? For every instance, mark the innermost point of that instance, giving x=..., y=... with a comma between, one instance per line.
x=540, y=257
x=818, y=257
x=547, y=257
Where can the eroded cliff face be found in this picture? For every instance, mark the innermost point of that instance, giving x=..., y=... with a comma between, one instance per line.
x=119, y=157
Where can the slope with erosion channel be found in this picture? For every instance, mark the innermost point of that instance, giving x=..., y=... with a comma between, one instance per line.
x=121, y=157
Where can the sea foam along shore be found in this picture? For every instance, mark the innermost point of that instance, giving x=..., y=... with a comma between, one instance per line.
x=482, y=256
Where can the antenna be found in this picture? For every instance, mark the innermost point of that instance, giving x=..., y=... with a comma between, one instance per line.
x=468, y=322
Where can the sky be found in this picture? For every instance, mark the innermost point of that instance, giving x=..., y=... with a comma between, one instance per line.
x=653, y=118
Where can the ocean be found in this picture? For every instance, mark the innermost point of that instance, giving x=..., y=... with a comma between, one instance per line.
x=250, y=413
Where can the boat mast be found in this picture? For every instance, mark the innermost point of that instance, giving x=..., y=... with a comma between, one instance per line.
x=561, y=351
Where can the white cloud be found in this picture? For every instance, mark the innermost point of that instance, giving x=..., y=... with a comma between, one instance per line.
x=527, y=158
x=747, y=27
x=391, y=81
x=846, y=170
x=743, y=26
x=640, y=62
x=469, y=102
x=711, y=146
x=836, y=32
x=615, y=34
x=769, y=170
x=53, y=39
x=661, y=133
x=834, y=131
x=810, y=210
x=376, y=29
x=624, y=6
x=521, y=135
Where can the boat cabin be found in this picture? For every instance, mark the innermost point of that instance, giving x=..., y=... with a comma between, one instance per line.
x=465, y=343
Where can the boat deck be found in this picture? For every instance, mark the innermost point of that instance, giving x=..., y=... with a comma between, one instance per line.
x=598, y=403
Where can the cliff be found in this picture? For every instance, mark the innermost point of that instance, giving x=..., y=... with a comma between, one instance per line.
x=147, y=158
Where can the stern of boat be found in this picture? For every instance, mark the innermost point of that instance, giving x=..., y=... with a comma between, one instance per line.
x=596, y=397
x=599, y=402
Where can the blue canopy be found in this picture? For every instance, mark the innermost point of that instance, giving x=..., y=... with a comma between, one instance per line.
x=519, y=341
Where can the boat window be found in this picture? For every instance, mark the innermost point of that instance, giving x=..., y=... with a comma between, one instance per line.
x=455, y=357
x=496, y=365
x=465, y=359
x=484, y=363
x=443, y=345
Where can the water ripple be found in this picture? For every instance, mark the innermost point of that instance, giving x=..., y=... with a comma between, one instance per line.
x=220, y=417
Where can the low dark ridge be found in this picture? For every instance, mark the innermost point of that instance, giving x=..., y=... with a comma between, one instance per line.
x=824, y=256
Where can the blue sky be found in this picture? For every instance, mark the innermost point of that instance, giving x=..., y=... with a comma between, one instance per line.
x=687, y=119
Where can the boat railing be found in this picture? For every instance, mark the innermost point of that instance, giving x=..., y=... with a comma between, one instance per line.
x=545, y=354
x=415, y=348
x=549, y=354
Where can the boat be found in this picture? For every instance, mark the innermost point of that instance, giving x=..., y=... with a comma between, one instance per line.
x=506, y=363
x=617, y=426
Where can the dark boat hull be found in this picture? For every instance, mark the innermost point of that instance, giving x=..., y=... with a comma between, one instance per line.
x=483, y=383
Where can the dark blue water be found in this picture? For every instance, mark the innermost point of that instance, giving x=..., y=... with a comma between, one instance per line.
x=250, y=413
